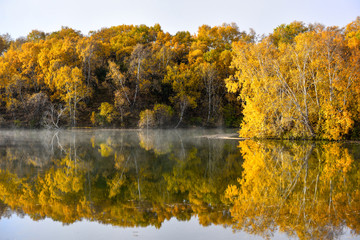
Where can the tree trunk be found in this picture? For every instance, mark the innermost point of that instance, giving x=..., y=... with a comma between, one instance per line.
x=182, y=110
x=137, y=81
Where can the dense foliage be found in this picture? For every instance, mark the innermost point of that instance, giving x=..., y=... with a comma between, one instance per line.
x=300, y=82
x=112, y=75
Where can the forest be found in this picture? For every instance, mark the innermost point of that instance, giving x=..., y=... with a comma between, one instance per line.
x=117, y=76
x=300, y=81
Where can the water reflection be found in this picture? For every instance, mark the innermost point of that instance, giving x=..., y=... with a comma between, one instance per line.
x=142, y=178
x=308, y=190
x=123, y=178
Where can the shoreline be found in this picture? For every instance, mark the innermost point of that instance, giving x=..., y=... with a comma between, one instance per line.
x=224, y=136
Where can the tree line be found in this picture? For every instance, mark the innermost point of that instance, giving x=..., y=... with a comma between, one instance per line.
x=300, y=81
x=123, y=76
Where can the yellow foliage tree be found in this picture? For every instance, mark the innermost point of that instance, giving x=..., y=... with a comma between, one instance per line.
x=147, y=119
x=71, y=89
x=107, y=111
x=185, y=85
x=305, y=88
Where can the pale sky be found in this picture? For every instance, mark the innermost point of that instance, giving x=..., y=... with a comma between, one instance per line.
x=19, y=17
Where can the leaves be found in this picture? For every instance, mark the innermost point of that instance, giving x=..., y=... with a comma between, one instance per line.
x=298, y=87
x=298, y=82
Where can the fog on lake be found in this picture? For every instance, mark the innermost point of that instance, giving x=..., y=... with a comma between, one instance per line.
x=187, y=183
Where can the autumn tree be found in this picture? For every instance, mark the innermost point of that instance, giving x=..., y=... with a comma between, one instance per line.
x=211, y=54
x=107, y=112
x=71, y=88
x=138, y=69
x=147, y=119
x=5, y=41
x=209, y=78
x=122, y=93
x=286, y=33
x=88, y=51
x=185, y=85
x=163, y=114
x=35, y=36
x=352, y=43
x=297, y=89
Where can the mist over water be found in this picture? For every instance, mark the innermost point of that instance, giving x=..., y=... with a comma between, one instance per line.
x=150, y=183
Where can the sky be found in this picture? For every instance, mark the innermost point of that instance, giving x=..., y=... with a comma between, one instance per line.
x=19, y=17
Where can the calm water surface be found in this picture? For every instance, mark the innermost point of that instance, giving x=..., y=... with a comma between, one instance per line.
x=175, y=184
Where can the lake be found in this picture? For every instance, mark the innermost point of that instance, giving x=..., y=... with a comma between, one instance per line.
x=175, y=184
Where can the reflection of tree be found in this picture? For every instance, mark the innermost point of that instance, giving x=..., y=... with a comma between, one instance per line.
x=158, y=141
x=304, y=189
x=34, y=155
x=310, y=190
x=202, y=176
x=4, y=210
x=58, y=194
x=114, y=179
